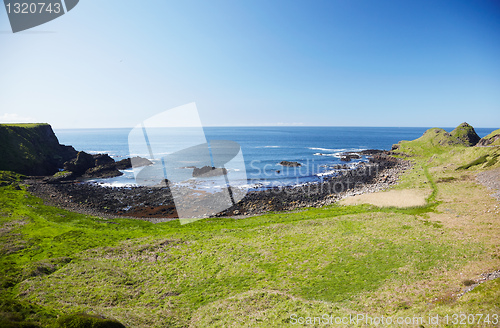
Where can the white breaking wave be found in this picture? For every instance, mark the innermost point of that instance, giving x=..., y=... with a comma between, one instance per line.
x=332, y=172
x=114, y=184
x=327, y=149
x=95, y=152
x=332, y=155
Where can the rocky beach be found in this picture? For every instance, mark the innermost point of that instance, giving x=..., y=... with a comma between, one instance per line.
x=156, y=203
x=72, y=188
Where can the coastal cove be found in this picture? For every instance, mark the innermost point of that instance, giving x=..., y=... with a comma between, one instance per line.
x=318, y=149
x=348, y=171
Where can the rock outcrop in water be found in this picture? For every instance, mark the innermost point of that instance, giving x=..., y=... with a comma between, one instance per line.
x=32, y=149
x=136, y=161
x=208, y=171
x=290, y=164
x=99, y=166
x=92, y=166
x=347, y=157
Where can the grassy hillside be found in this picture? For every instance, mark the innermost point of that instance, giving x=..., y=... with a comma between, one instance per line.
x=493, y=137
x=263, y=271
x=492, y=134
x=433, y=141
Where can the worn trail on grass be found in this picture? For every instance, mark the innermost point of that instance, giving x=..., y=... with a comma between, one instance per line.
x=391, y=198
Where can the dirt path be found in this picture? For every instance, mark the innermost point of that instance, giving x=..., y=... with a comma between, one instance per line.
x=396, y=198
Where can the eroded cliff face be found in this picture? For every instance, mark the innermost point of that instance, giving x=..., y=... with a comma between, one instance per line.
x=32, y=149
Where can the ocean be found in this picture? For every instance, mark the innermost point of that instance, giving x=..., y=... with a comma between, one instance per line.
x=317, y=149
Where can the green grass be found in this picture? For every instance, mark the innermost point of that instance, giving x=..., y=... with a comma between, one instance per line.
x=477, y=161
x=55, y=262
x=492, y=161
x=85, y=320
x=433, y=141
x=10, y=178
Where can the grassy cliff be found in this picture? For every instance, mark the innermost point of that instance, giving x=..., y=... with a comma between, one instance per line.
x=31, y=149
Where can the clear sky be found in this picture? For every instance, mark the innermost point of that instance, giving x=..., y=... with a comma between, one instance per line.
x=335, y=62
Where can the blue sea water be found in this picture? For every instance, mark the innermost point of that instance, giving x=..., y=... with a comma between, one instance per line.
x=316, y=148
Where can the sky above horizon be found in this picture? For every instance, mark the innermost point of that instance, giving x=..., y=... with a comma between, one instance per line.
x=252, y=63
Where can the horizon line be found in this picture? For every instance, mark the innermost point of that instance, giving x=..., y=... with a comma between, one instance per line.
x=255, y=126
x=273, y=126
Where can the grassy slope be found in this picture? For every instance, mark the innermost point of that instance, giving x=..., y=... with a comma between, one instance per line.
x=491, y=135
x=258, y=271
x=433, y=141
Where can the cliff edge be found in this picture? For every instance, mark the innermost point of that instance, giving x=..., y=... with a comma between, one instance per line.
x=32, y=149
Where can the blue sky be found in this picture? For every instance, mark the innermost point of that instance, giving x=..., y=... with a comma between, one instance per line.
x=336, y=63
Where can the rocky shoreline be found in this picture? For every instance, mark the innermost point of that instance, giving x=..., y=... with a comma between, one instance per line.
x=156, y=204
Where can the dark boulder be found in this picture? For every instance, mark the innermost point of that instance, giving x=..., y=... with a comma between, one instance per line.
x=102, y=171
x=60, y=177
x=371, y=151
x=290, y=164
x=208, y=171
x=347, y=157
x=104, y=167
x=80, y=164
x=136, y=161
x=98, y=166
x=102, y=159
x=383, y=160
